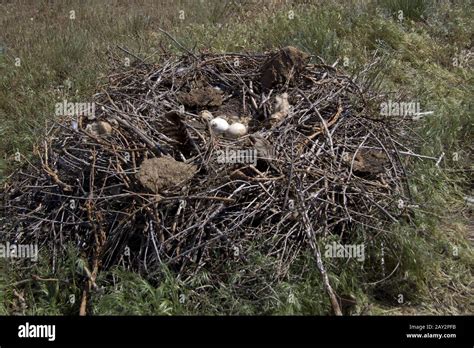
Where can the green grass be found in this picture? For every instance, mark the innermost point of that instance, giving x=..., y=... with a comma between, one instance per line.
x=418, y=55
x=407, y=9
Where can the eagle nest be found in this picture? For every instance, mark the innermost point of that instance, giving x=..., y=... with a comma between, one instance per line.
x=144, y=181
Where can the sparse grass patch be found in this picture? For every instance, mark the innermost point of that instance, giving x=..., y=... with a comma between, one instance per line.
x=410, y=9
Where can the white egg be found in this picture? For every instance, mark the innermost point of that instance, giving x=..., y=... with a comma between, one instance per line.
x=219, y=125
x=236, y=130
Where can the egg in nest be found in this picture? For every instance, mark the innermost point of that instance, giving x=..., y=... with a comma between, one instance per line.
x=219, y=125
x=236, y=130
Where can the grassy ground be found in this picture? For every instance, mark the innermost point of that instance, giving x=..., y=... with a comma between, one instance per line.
x=57, y=50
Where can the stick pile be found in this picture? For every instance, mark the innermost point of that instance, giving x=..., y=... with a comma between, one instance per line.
x=329, y=166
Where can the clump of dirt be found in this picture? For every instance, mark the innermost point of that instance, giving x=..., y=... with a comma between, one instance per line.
x=233, y=107
x=283, y=66
x=201, y=97
x=158, y=174
x=369, y=161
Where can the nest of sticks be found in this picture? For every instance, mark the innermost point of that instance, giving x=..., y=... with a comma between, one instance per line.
x=329, y=166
